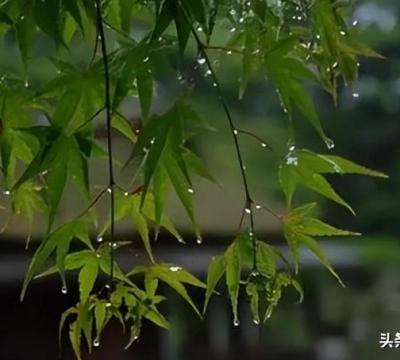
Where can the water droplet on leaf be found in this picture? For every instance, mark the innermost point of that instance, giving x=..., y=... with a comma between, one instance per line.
x=96, y=342
x=64, y=290
x=175, y=268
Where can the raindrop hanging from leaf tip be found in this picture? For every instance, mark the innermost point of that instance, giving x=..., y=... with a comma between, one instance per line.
x=96, y=342
x=330, y=144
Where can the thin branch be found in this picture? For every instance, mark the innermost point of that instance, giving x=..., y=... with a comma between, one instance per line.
x=107, y=100
x=93, y=203
x=222, y=48
x=249, y=202
x=262, y=141
x=120, y=32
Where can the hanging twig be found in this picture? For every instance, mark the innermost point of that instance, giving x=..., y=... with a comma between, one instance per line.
x=248, y=209
x=107, y=100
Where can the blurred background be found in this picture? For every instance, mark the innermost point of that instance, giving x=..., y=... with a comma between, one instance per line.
x=332, y=323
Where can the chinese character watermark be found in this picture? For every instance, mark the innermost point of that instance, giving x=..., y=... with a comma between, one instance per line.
x=389, y=341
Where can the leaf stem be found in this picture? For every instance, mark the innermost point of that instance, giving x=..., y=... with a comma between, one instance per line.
x=92, y=117
x=108, y=106
x=249, y=202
